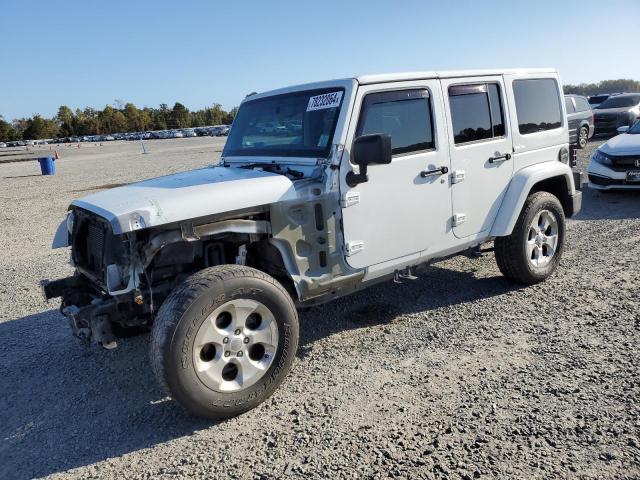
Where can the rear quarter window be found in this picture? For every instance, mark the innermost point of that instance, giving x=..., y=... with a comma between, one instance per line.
x=537, y=105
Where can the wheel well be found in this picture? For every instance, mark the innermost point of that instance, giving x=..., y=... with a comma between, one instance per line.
x=263, y=256
x=557, y=186
x=176, y=260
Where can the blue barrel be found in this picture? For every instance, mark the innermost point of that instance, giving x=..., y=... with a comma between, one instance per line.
x=47, y=166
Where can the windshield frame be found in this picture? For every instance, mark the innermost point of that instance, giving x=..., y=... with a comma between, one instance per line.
x=294, y=153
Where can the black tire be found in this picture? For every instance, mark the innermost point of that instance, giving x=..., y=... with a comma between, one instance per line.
x=187, y=307
x=510, y=251
x=583, y=137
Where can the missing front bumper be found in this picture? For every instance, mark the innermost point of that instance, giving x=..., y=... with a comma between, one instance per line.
x=91, y=323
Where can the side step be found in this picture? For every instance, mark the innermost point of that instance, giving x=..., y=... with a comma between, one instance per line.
x=405, y=274
x=478, y=251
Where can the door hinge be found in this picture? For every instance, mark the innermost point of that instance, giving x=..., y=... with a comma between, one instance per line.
x=350, y=198
x=354, y=247
x=458, y=219
x=457, y=176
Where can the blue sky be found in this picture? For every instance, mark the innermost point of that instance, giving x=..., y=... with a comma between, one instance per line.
x=89, y=53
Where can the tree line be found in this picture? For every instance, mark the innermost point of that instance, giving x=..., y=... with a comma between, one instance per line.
x=605, y=86
x=119, y=118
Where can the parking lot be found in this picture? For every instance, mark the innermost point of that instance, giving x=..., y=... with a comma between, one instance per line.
x=459, y=374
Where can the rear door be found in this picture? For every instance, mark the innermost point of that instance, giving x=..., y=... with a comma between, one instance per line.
x=481, y=151
x=398, y=212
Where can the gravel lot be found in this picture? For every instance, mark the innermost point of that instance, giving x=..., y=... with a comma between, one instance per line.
x=459, y=374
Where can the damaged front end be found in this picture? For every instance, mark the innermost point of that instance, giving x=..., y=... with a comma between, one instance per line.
x=120, y=280
x=106, y=291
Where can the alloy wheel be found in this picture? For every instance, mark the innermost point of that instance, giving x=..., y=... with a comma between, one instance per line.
x=542, y=240
x=235, y=345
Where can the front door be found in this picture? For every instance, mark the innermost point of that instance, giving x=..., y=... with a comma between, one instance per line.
x=481, y=151
x=405, y=206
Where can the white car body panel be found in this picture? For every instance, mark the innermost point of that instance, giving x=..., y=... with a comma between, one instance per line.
x=187, y=195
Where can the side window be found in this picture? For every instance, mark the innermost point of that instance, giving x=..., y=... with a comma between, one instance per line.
x=582, y=104
x=476, y=112
x=537, y=105
x=405, y=115
x=568, y=104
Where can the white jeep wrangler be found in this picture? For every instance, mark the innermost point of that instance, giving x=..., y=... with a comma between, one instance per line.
x=321, y=190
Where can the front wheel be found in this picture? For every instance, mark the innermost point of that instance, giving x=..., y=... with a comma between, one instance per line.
x=533, y=250
x=224, y=340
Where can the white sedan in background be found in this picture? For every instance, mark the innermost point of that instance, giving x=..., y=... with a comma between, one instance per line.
x=616, y=164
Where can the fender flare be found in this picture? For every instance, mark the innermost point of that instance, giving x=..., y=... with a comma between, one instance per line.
x=521, y=185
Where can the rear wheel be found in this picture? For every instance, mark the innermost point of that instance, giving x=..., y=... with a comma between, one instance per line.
x=533, y=250
x=583, y=137
x=224, y=340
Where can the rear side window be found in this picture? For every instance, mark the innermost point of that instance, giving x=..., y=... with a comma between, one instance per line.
x=582, y=104
x=568, y=104
x=537, y=105
x=405, y=115
x=597, y=99
x=476, y=112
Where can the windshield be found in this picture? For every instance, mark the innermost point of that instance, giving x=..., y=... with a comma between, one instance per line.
x=596, y=99
x=619, y=102
x=299, y=124
x=635, y=128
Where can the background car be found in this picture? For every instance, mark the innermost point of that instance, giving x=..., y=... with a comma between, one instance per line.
x=616, y=164
x=617, y=111
x=580, y=119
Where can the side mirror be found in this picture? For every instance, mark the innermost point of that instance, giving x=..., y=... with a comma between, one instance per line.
x=623, y=129
x=368, y=150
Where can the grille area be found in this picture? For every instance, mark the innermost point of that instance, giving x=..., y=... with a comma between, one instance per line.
x=88, y=244
x=606, y=121
x=94, y=247
x=624, y=163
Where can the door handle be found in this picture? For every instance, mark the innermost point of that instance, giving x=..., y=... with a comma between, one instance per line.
x=500, y=158
x=437, y=171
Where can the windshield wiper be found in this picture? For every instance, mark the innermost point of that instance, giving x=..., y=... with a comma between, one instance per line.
x=274, y=168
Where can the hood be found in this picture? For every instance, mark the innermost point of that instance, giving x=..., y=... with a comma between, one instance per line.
x=625, y=144
x=187, y=195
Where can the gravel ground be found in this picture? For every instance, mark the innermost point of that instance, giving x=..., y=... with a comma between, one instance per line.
x=459, y=374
